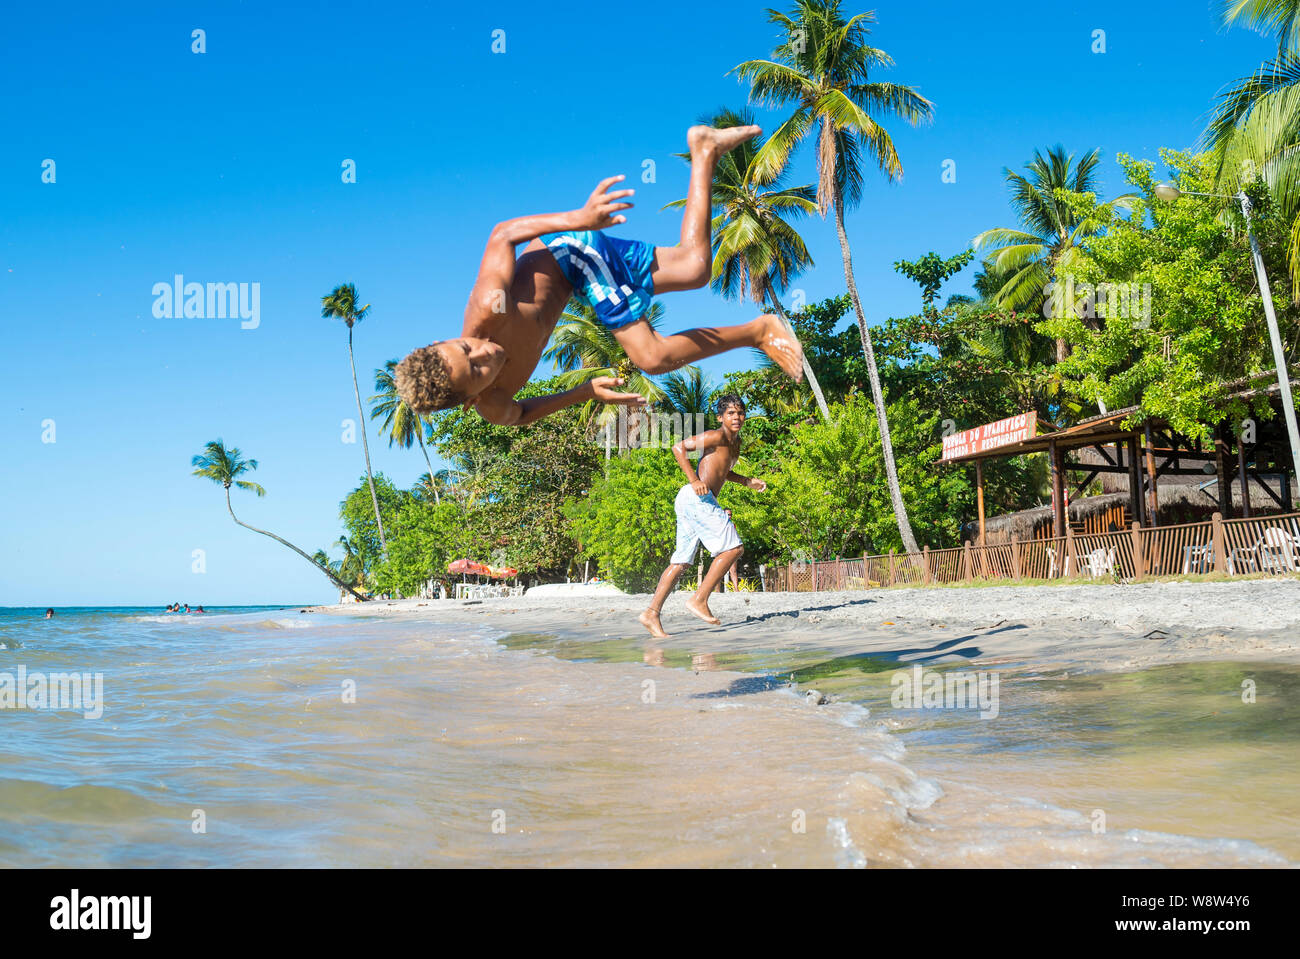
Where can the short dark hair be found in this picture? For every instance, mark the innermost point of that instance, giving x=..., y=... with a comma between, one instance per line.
x=727, y=400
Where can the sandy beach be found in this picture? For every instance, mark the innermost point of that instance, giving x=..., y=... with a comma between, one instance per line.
x=1082, y=628
x=1128, y=713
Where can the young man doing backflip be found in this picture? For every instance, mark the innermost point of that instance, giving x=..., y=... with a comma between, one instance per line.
x=516, y=303
x=699, y=517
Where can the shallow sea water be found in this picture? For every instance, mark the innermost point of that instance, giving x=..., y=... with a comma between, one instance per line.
x=299, y=739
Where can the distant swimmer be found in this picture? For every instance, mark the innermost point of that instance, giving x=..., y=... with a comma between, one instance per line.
x=49, y=613
x=699, y=517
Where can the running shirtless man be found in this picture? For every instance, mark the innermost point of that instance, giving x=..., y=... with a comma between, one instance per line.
x=699, y=517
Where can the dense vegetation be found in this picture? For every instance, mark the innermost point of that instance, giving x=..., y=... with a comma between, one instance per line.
x=1082, y=303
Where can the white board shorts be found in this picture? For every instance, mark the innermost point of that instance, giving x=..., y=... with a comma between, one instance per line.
x=701, y=520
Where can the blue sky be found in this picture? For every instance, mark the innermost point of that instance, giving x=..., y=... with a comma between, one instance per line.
x=226, y=166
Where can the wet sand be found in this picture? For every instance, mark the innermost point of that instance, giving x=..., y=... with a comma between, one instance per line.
x=1141, y=712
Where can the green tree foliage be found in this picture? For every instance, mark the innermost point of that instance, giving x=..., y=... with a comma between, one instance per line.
x=776, y=403
x=358, y=515
x=626, y=522
x=828, y=497
x=427, y=536
x=513, y=483
x=1206, y=330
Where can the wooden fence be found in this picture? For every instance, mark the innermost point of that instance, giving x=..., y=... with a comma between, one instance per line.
x=1234, y=547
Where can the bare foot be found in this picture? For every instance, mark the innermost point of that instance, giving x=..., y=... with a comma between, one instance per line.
x=718, y=141
x=650, y=620
x=702, y=610
x=782, y=347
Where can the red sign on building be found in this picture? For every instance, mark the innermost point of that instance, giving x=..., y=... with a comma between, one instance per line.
x=990, y=436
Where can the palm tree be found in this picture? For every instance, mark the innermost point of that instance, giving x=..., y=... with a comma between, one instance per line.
x=350, y=567
x=822, y=67
x=1276, y=16
x=402, y=424
x=687, y=391
x=1026, y=260
x=341, y=303
x=443, y=480
x=1255, y=132
x=582, y=348
x=755, y=251
x=225, y=466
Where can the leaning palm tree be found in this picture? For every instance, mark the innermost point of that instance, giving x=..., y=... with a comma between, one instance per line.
x=341, y=303
x=403, y=425
x=822, y=67
x=225, y=466
x=1050, y=242
x=756, y=252
x=582, y=348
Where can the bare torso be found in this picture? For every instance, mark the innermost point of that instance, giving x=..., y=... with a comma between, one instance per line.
x=536, y=299
x=716, y=462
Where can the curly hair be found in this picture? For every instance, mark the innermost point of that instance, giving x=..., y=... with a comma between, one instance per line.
x=424, y=381
x=727, y=401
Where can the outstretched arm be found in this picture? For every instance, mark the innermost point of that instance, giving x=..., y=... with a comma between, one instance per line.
x=757, y=485
x=497, y=270
x=501, y=409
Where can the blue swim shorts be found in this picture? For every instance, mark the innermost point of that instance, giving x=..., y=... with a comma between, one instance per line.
x=610, y=275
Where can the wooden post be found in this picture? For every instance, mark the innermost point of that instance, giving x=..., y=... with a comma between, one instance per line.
x=1245, y=480
x=965, y=559
x=1220, y=547
x=1015, y=558
x=1136, y=507
x=1058, y=490
x=925, y=564
x=1139, y=561
x=1153, y=506
x=814, y=576
x=979, y=495
x=891, y=567
x=1221, y=473
x=1071, y=553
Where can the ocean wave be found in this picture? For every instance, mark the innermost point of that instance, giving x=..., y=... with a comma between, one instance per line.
x=847, y=855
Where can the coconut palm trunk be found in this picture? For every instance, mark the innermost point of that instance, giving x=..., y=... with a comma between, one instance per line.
x=433, y=482
x=877, y=395
x=808, y=373
x=284, y=542
x=365, y=445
